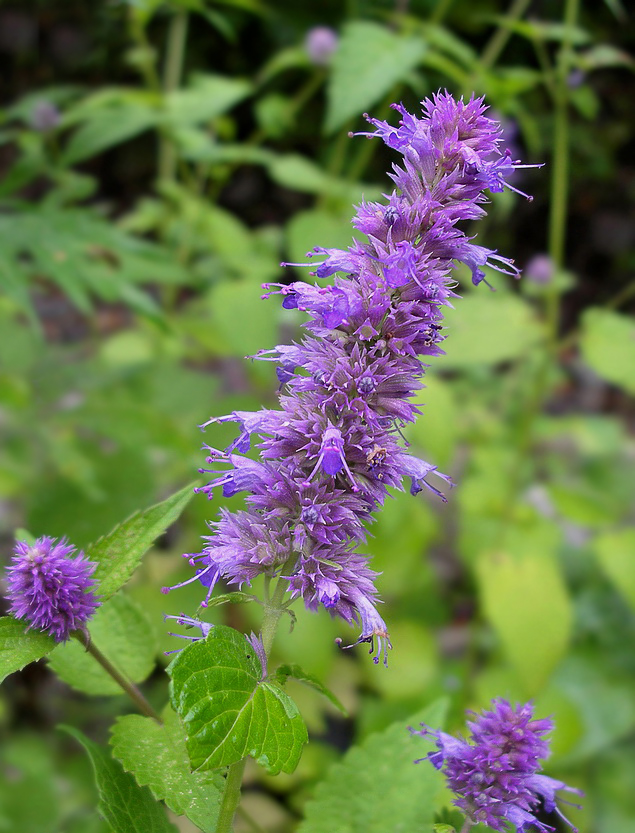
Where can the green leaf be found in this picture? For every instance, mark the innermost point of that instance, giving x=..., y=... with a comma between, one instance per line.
x=83, y=253
x=368, y=63
x=157, y=757
x=376, y=787
x=229, y=711
x=109, y=118
x=285, y=671
x=616, y=552
x=122, y=632
x=524, y=597
x=204, y=98
x=235, y=597
x=244, y=298
x=19, y=647
x=608, y=346
x=119, y=553
x=488, y=329
x=123, y=804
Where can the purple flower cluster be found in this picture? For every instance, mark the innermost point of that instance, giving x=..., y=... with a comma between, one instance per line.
x=51, y=589
x=495, y=774
x=331, y=451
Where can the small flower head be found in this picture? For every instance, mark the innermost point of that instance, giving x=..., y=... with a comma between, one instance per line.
x=495, y=773
x=320, y=44
x=50, y=587
x=44, y=117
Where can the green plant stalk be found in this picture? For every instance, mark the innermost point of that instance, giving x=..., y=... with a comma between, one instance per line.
x=503, y=33
x=130, y=688
x=273, y=610
x=175, y=52
x=556, y=233
x=496, y=44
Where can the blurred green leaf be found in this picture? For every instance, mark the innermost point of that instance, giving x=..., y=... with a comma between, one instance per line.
x=19, y=647
x=368, y=63
x=30, y=796
x=543, y=30
x=244, y=299
x=121, y=631
x=436, y=431
x=283, y=672
x=108, y=118
x=376, y=787
x=119, y=553
x=84, y=254
x=605, y=698
x=316, y=227
x=616, y=553
x=127, y=807
x=157, y=757
x=608, y=346
x=524, y=597
x=227, y=708
x=488, y=329
x=205, y=97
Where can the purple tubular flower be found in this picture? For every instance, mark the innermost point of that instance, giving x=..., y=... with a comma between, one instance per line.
x=495, y=773
x=50, y=587
x=189, y=622
x=331, y=451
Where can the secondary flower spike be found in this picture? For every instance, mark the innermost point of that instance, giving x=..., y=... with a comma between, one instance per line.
x=334, y=447
x=50, y=587
x=495, y=773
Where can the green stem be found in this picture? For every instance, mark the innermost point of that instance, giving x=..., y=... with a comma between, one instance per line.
x=497, y=43
x=175, y=51
x=130, y=688
x=557, y=226
x=231, y=797
x=560, y=165
x=440, y=11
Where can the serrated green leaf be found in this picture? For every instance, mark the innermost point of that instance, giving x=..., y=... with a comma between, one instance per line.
x=122, y=632
x=19, y=647
x=157, y=757
x=123, y=804
x=297, y=673
x=616, y=554
x=608, y=346
x=369, y=61
x=377, y=787
x=119, y=553
x=228, y=710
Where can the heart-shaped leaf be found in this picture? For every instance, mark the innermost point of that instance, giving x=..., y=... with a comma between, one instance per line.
x=229, y=710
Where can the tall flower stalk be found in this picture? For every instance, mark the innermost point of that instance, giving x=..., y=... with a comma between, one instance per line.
x=331, y=451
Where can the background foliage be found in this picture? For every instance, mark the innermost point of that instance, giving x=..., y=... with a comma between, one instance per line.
x=158, y=160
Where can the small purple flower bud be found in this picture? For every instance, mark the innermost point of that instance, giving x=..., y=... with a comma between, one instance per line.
x=50, y=587
x=540, y=269
x=320, y=44
x=44, y=117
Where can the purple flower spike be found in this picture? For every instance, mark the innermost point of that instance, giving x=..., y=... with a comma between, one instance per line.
x=50, y=587
x=334, y=447
x=495, y=772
